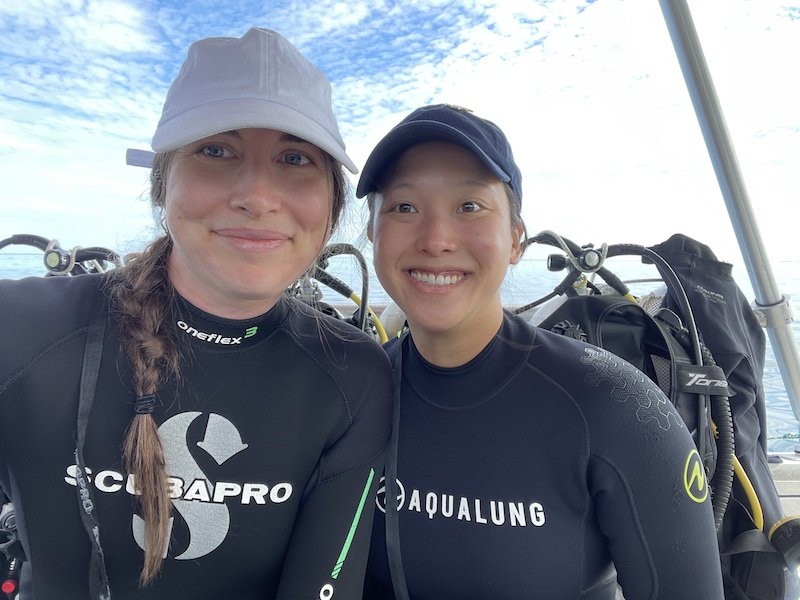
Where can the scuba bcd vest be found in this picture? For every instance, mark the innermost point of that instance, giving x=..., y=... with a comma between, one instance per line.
x=757, y=538
x=704, y=348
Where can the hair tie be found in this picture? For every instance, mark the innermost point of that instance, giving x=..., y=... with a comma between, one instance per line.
x=144, y=405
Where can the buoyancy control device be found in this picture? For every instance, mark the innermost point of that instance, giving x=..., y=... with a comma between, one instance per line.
x=700, y=341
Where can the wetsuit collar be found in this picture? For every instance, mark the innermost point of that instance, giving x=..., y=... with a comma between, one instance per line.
x=205, y=331
x=470, y=384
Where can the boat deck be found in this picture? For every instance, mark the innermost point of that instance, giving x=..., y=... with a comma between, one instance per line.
x=786, y=475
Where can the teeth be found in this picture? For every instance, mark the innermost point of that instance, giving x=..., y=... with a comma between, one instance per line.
x=432, y=279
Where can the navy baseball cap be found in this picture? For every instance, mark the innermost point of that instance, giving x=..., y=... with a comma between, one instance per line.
x=448, y=123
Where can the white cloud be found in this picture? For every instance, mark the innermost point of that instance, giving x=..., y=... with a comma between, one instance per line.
x=590, y=95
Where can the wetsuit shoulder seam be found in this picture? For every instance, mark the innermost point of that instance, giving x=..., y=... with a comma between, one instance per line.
x=20, y=373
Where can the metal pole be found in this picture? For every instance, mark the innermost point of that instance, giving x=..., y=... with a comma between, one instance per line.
x=770, y=302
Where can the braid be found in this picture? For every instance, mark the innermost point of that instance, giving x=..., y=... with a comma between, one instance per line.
x=142, y=298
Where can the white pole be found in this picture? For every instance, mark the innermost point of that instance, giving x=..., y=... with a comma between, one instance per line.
x=774, y=307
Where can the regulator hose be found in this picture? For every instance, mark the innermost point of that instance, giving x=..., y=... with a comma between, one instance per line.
x=26, y=239
x=721, y=424
x=337, y=285
x=336, y=249
x=320, y=274
x=58, y=261
x=722, y=421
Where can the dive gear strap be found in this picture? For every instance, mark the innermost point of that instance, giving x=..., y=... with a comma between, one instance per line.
x=93, y=351
x=396, y=571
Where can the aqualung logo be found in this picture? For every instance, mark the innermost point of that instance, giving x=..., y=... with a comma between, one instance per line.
x=473, y=510
x=216, y=338
x=380, y=497
x=694, y=478
x=202, y=503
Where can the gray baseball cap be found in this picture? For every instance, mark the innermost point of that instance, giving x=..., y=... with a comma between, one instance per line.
x=258, y=80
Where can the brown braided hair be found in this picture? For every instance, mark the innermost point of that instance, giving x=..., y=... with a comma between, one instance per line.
x=143, y=300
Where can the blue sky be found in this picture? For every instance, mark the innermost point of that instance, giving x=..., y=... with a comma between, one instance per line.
x=589, y=93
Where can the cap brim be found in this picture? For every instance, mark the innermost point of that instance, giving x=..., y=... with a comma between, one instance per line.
x=139, y=158
x=406, y=135
x=241, y=113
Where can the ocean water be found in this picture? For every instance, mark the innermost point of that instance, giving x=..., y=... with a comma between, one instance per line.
x=529, y=281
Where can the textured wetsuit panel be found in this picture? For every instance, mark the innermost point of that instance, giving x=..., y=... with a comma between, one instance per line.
x=270, y=440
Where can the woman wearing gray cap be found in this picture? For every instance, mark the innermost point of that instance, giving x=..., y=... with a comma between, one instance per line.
x=524, y=464
x=227, y=436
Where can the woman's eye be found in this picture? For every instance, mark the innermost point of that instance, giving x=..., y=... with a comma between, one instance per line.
x=215, y=151
x=295, y=158
x=469, y=207
x=404, y=207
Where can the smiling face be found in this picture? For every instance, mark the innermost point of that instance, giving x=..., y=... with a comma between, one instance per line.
x=443, y=240
x=248, y=212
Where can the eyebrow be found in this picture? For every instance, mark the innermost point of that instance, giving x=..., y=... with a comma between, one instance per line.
x=286, y=137
x=293, y=138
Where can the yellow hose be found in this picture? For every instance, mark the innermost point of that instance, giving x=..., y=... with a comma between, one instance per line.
x=378, y=325
x=738, y=470
x=750, y=492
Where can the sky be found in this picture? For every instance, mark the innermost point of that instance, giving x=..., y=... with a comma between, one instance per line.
x=589, y=92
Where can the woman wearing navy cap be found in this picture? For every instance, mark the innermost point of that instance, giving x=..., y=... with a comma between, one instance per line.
x=180, y=427
x=523, y=464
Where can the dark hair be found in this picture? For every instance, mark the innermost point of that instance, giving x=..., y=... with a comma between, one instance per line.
x=143, y=300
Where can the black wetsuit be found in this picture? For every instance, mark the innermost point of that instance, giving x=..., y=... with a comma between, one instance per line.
x=274, y=440
x=535, y=469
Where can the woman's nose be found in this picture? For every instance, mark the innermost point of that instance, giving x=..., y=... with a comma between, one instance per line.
x=256, y=191
x=437, y=235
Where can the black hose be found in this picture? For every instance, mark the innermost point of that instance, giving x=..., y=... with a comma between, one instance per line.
x=535, y=303
x=98, y=253
x=335, y=249
x=547, y=237
x=79, y=255
x=551, y=239
x=26, y=239
x=674, y=284
x=336, y=284
x=722, y=480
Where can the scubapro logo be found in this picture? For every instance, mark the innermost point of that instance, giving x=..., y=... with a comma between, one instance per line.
x=694, y=478
x=201, y=503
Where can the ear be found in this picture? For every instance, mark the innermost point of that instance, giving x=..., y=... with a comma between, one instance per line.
x=516, y=244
